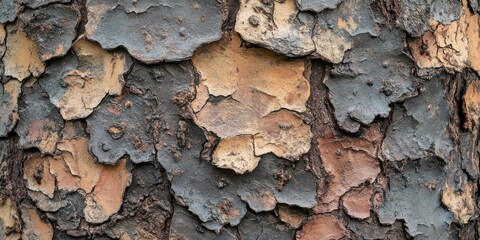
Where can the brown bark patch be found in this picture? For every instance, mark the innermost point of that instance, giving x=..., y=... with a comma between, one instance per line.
x=357, y=202
x=323, y=227
x=349, y=162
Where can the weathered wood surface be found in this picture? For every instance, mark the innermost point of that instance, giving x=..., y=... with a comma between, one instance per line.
x=239, y=119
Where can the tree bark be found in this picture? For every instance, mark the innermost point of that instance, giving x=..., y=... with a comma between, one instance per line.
x=239, y=119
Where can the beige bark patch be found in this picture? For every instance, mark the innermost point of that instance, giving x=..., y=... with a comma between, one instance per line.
x=461, y=203
x=21, y=59
x=236, y=153
x=350, y=162
x=453, y=46
x=107, y=197
x=259, y=92
x=330, y=44
x=9, y=219
x=3, y=34
x=283, y=133
x=36, y=171
x=472, y=104
x=98, y=73
x=226, y=68
x=275, y=25
x=323, y=227
x=357, y=202
x=34, y=226
x=9, y=106
x=292, y=216
x=74, y=166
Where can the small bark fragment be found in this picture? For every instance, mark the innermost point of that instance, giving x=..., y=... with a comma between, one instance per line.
x=317, y=5
x=258, y=196
x=70, y=169
x=236, y=153
x=184, y=27
x=415, y=16
x=9, y=106
x=106, y=198
x=284, y=134
x=21, y=59
x=323, y=227
x=255, y=72
x=357, y=202
x=77, y=83
x=276, y=25
x=74, y=167
x=292, y=216
x=45, y=203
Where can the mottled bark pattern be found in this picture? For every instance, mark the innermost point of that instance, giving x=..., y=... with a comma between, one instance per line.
x=239, y=119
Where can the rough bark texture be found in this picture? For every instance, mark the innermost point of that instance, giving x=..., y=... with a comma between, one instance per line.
x=239, y=119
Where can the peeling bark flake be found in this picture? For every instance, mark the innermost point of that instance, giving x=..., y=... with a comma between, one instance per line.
x=184, y=27
x=9, y=106
x=322, y=227
x=21, y=59
x=276, y=25
x=252, y=99
x=349, y=163
x=317, y=5
x=77, y=83
x=357, y=202
x=451, y=45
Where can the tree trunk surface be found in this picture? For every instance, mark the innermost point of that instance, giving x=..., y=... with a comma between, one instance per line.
x=239, y=119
